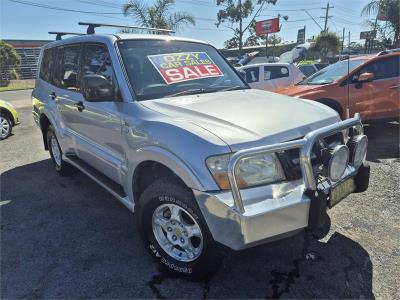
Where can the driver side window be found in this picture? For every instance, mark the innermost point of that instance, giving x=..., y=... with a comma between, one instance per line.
x=96, y=61
x=382, y=69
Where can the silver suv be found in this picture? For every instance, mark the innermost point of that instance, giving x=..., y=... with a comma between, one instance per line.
x=168, y=127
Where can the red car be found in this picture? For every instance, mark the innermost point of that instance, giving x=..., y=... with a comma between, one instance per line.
x=367, y=84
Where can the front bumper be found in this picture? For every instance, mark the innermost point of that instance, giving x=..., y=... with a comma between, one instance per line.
x=244, y=218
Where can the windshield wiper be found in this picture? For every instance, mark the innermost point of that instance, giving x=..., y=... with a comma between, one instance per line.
x=191, y=92
x=234, y=88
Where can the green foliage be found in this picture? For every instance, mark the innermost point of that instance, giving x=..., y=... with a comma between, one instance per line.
x=327, y=43
x=9, y=60
x=158, y=15
x=233, y=13
x=390, y=29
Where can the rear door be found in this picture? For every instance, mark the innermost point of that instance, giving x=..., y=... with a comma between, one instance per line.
x=379, y=98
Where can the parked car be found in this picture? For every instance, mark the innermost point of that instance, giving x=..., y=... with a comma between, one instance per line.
x=366, y=84
x=8, y=119
x=271, y=76
x=170, y=129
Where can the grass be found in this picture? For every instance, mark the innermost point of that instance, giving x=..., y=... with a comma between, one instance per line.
x=18, y=85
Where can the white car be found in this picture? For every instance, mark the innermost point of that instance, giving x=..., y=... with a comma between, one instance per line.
x=272, y=76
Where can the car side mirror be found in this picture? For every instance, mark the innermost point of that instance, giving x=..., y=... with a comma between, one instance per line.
x=366, y=77
x=97, y=88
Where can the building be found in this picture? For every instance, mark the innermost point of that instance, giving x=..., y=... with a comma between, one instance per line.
x=29, y=51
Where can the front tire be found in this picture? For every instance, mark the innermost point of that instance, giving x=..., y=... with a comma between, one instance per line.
x=5, y=127
x=60, y=165
x=174, y=230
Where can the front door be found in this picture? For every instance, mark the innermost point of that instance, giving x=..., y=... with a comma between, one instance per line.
x=378, y=98
x=99, y=122
x=276, y=77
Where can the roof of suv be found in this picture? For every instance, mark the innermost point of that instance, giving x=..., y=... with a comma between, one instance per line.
x=122, y=36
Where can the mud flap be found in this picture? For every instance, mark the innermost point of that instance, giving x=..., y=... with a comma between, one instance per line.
x=317, y=216
x=361, y=180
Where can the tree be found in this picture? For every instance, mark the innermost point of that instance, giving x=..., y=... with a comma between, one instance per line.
x=390, y=28
x=235, y=12
x=158, y=15
x=9, y=60
x=327, y=43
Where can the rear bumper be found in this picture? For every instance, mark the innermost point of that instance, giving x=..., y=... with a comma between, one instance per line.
x=244, y=218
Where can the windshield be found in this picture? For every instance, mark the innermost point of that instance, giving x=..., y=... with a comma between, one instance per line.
x=160, y=68
x=333, y=72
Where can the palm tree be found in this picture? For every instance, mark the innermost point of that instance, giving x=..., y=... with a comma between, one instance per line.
x=157, y=15
x=390, y=9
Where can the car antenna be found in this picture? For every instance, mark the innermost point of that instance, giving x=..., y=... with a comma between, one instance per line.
x=348, y=81
x=92, y=26
x=60, y=34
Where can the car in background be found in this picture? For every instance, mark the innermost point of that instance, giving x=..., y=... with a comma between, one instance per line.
x=309, y=68
x=271, y=76
x=365, y=84
x=8, y=119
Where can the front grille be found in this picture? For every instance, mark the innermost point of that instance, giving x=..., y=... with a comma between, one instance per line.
x=290, y=159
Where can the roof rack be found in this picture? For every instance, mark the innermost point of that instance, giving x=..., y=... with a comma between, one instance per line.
x=60, y=34
x=384, y=52
x=92, y=26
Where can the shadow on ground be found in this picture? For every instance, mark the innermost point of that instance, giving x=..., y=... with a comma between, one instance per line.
x=65, y=237
x=383, y=141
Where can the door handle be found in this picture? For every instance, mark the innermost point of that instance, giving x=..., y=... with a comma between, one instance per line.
x=79, y=105
x=393, y=87
x=53, y=96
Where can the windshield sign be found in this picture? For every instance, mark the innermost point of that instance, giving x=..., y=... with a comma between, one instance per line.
x=168, y=68
x=185, y=66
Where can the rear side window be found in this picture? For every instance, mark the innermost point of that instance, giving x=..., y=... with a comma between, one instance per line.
x=97, y=61
x=67, y=75
x=307, y=70
x=274, y=72
x=47, y=64
x=252, y=74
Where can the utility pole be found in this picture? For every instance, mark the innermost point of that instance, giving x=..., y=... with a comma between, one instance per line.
x=326, y=16
x=240, y=29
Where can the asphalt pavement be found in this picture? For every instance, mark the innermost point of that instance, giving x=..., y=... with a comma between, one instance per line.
x=66, y=237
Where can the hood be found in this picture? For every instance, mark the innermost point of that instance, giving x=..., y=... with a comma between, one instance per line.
x=247, y=118
x=300, y=89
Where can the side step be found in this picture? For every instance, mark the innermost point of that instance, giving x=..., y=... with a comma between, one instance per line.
x=114, y=188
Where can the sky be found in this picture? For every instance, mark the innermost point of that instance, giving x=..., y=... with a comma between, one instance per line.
x=28, y=21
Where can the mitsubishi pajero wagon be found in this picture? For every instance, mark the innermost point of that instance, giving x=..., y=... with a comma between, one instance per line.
x=169, y=127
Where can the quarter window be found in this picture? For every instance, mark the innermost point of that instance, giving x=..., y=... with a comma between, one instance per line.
x=274, y=72
x=252, y=74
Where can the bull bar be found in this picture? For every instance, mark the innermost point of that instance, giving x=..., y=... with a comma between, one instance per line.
x=305, y=146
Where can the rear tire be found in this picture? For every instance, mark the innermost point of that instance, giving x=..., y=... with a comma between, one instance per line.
x=5, y=126
x=174, y=231
x=60, y=165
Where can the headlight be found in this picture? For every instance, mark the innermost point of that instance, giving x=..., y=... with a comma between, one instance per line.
x=337, y=163
x=250, y=171
x=358, y=149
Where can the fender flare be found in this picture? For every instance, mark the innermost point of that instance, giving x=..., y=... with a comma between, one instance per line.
x=168, y=159
x=335, y=105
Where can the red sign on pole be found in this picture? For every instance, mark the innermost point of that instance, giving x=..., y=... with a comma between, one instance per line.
x=267, y=26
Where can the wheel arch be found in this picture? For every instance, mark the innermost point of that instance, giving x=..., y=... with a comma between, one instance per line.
x=6, y=112
x=44, y=122
x=152, y=163
x=334, y=104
